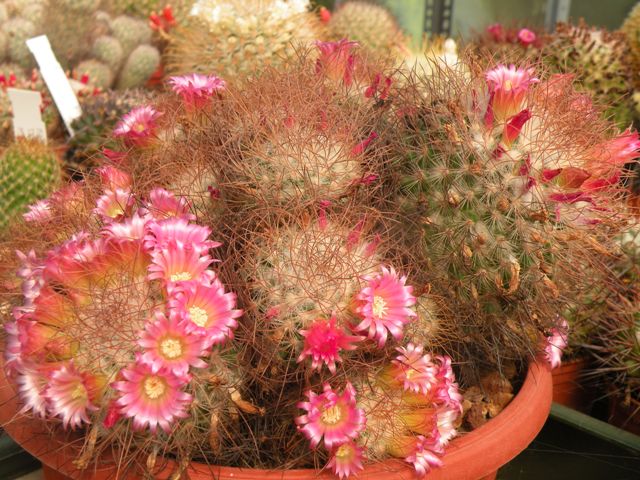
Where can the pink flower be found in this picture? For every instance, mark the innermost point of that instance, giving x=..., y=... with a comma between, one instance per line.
x=167, y=345
x=113, y=178
x=610, y=156
x=508, y=88
x=30, y=272
x=332, y=416
x=32, y=383
x=556, y=343
x=207, y=310
x=152, y=399
x=446, y=418
x=346, y=459
x=39, y=212
x=385, y=306
x=175, y=265
x=114, y=205
x=197, y=89
x=415, y=370
x=526, y=37
x=133, y=228
x=164, y=204
x=514, y=126
x=323, y=342
x=496, y=32
x=336, y=60
x=70, y=395
x=179, y=233
x=447, y=390
x=426, y=454
x=138, y=125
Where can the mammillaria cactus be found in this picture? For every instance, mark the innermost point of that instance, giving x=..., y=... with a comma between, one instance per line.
x=139, y=67
x=18, y=31
x=109, y=51
x=130, y=32
x=233, y=37
x=372, y=26
x=29, y=171
x=506, y=178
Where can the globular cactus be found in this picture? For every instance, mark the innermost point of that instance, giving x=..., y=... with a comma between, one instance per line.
x=80, y=6
x=631, y=29
x=108, y=50
x=372, y=26
x=18, y=31
x=233, y=37
x=130, y=32
x=99, y=74
x=4, y=46
x=29, y=171
x=601, y=60
x=139, y=67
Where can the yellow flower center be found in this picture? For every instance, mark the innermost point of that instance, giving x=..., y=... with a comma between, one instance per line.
x=139, y=127
x=171, y=348
x=154, y=387
x=198, y=316
x=344, y=451
x=181, y=277
x=379, y=306
x=331, y=415
x=508, y=85
x=115, y=210
x=79, y=392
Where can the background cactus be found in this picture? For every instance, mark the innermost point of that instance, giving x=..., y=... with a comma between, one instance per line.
x=130, y=32
x=29, y=171
x=235, y=37
x=108, y=50
x=139, y=67
x=99, y=74
x=18, y=31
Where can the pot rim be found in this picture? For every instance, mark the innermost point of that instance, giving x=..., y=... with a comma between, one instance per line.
x=468, y=457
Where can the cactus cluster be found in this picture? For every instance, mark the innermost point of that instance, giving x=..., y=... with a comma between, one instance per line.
x=601, y=61
x=234, y=37
x=29, y=171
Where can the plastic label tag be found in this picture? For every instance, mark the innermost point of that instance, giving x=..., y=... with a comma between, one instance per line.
x=27, y=118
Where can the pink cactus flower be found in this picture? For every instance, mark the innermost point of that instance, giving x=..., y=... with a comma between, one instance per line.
x=152, y=399
x=496, y=32
x=196, y=89
x=39, y=212
x=346, y=459
x=447, y=390
x=446, y=418
x=32, y=383
x=614, y=154
x=514, y=126
x=30, y=272
x=508, y=88
x=114, y=205
x=138, y=126
x=336, y=60
x=556, y=343
x=164, y=204
x=526, y=37
x=332, y=416
x=132, y=228
x=323, y=342
x=179, y=233
x=166, y=344
x=175, y=266
x=70, y=395
x=415, y=370
x=207, y=310
x=385, y=306
x=113, y=178
x=426, y=454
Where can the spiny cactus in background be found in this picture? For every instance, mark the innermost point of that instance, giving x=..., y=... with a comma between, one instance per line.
x=29, y=171
x=631, y=29
x=433, y=53
x=98, y=74
x=234, y=37
x=372, y=26
x=141, y=64
x=130, y=32
x=18, y=30
x=509, y=44
x=142, y=8
x=601, y=60
x=108, y=50
x=496, y=168
x=100, y=113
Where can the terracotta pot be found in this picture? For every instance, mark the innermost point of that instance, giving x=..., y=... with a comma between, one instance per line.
x=624, y=415
x=473, y=456
x=569, y=387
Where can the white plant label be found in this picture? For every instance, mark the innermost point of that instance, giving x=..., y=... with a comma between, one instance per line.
x=27, y=118
x=56, y=80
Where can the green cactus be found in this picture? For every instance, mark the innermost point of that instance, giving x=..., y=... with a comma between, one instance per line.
x=100, y=113
x=100, y=75
x=631, y=29
x=247, y=35
x=29, y=171
x=601, y=60
x=130, y=32
x=371, y=25
x=19, y=30
x=4, y=45
x=108, y=50
x=82, y=6
x=139, y=67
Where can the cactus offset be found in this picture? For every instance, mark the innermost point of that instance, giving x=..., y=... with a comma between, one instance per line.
x=29, y=171
x=108, y=50
x=99, y=74
x=19, y=30
x=139, y=67
x=130, y=32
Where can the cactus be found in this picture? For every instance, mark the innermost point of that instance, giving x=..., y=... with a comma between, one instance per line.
x=4, y=14
x=100, y=113
x=19, y=30
x=373, y=26
x=100, y=75
x=29, y=171
x=130, y=32
x=631, y=29
x=601, y=60
x=80, y=6
x=139, y=67
x=108, y=51
x=246, y=35
x=4, y=46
